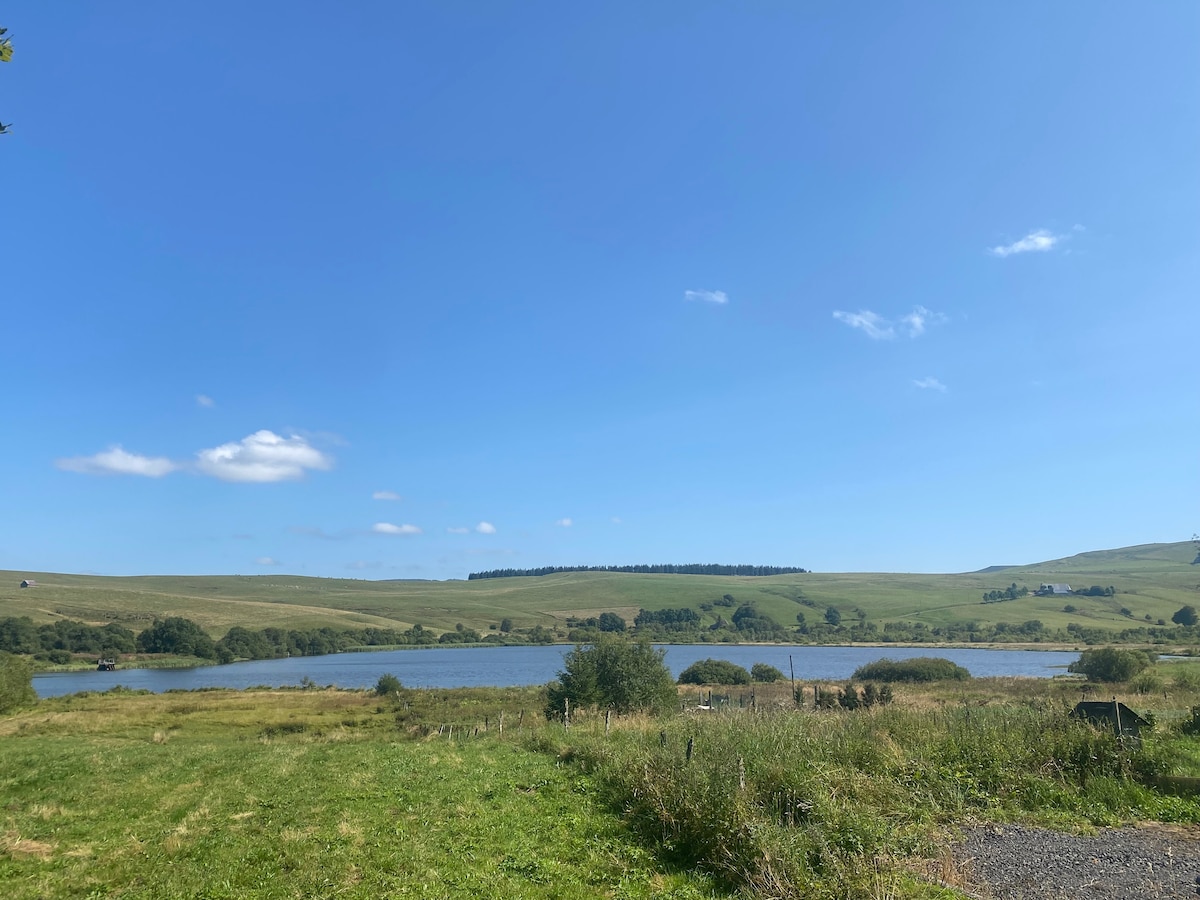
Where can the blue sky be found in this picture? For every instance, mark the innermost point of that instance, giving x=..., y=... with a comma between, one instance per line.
x=410, y=290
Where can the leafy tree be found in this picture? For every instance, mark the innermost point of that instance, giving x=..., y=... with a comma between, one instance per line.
x=1185, y=616
x=613, y=672
x=764, y=673
x=506, y=625
x=387, y=684
x=1110, y=664
x=16, y=682
x=832, y=616
x=177, y=635
x=610, y=621
x=714, y=671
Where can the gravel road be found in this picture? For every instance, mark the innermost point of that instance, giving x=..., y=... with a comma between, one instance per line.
x=1018, y=863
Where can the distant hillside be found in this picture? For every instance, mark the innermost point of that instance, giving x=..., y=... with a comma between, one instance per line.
x=656, y=569
x=1152, y=582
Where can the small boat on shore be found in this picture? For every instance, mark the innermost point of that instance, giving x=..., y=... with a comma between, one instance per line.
x=106, y=665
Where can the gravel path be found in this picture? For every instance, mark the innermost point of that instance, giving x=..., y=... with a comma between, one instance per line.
x=1016, y=863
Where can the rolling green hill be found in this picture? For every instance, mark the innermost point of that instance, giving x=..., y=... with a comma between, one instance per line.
x=1152, y=580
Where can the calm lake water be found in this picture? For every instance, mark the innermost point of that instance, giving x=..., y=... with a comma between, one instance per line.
x=445, y=667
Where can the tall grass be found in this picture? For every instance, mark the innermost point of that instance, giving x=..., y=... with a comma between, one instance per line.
x=815, y=805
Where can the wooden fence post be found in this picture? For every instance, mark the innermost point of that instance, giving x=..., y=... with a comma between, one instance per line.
x=607, y=721
x=500, y=724
x=566, y=713
x=691, y=744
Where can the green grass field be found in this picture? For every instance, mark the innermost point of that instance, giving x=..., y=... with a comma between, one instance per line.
x=299, y=794
x=1152, y=580
x=327, y=793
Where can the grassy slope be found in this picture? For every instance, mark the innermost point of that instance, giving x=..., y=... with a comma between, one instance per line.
x=1152, y=579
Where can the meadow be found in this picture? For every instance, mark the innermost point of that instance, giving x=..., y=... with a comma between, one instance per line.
x=1153, y=581
x=320, y=792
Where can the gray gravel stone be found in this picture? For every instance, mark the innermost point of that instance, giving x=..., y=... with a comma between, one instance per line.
x=1018, y=863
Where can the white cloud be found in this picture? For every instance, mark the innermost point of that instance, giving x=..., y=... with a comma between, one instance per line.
x=262, y=457
x=459, y=530
x=930, y=384
x=363, y=564
x=385, y=495
x=717, y=297
x=616, y=520
x=389, y=528
x=915, y=322
x=878, y=328
x=564, y=523
x=116, y=461
x=485, y=528
x=874, y=325
x=1035, y=242
x=205, y=401
x=267, y=561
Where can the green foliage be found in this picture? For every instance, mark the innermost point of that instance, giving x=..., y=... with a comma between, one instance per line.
x=1012, y=592
x=609, y=621
x=832, y=616
x=506, y=625
x=714, y=671
x=1185, y=616
x=922, y=668
x=177, y=635
x=16, y=682
x=1108, y=664
x=615, y=673
x=766, y=674
x=388, y=684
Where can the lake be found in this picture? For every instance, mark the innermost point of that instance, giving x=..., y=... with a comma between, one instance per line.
x=445, y=667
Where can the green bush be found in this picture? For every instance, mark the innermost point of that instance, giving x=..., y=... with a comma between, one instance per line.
x=388, y=684
x=714, y=671
x=922, y=668
x=16, y=682
x=1108, y=664
x=766, y=674
x=615, y=673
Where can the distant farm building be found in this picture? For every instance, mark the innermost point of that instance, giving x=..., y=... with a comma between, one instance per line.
x=1047, y=590
x=1111, y=716
x=28, y=582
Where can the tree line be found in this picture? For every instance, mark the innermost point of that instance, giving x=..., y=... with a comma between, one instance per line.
x=60, y=641
x=659, y=569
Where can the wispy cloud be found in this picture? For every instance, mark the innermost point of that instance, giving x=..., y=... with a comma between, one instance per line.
x=453, y=530
x=389, y=528
x=263, y=457
x=267, y=561
x=485, y=528
x=879, y=328
x=616, y=520
x=1035, y=242
x=914, y=323
x=718, y=297
x=205, y=401
x=117, y=461
x=872, y=324
x=385, y=495
x=564, y=523
x=929, y=384
x=360, y=564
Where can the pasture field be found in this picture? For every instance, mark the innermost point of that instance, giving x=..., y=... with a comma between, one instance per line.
x=1152, y=581
x=303, y=794
x=322, y=793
